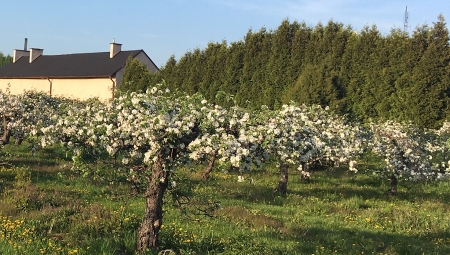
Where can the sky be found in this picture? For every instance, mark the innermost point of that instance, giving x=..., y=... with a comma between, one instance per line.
x=163, y=28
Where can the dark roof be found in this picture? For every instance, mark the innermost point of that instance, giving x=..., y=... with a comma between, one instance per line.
x=80, y=65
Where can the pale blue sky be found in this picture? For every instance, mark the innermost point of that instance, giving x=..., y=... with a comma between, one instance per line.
x=172, y=27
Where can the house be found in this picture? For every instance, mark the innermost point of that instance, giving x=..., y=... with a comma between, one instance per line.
x=82, y=76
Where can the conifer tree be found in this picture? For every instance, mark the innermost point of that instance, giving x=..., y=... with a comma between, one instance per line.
x=394, y=65
x=362, y=74
x=234, y=65
x=194, y=71
x=213, y=69
x=416, y=46
x=279, y=60
x=183, y=74
x=257, y=50
x=429, y=96
x=136, y=76
x=300, y=40
x=365, y=71
x=5, y=59
x=168, y=73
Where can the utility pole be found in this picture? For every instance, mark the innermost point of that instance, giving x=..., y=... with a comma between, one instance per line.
x=405, y=23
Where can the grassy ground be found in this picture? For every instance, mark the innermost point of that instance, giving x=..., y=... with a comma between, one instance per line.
x=47, y=209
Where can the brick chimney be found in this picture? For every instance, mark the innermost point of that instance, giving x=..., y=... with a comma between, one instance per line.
x=20, y=53
x=114, y=48
x=35, y=53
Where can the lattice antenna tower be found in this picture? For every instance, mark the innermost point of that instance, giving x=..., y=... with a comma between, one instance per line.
x=405, y=23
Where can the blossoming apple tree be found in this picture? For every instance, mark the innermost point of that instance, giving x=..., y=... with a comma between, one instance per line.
x=152, y=130
x=300, y=135
x=409, y=153
x=23, y=114
x=150, y=134
x=231, y=137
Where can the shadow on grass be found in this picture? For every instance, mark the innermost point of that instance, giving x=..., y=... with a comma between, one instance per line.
x=334, y=189
x=315, y=240
x=267, y=195
x=211, y=245
x=254, y=194
x=348, y=241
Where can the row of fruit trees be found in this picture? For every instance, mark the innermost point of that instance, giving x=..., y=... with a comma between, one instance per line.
x=152, y=134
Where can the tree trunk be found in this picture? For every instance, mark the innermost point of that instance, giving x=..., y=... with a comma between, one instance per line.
x=6, y=137
x=282, y=184
x=19, y=138
x=7, y=133
x=148, y=232
x=210, y=167
x=305, y=175
x=394, y=182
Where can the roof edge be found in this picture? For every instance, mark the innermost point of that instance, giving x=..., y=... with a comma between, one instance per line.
x=132, y=56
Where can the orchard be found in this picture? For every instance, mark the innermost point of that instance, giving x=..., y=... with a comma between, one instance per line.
x=149, y=136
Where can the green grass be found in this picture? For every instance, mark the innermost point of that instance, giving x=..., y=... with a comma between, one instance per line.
x=47, y=209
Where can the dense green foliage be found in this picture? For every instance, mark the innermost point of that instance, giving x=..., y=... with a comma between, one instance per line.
x=366, y=75
x=136, y=76
x=5, y=59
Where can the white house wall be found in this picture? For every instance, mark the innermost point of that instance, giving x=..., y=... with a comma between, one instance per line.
x=71, y=88
x=18, y=86
x=83, y=88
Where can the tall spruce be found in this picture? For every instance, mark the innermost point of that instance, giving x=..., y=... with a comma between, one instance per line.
x=362, y=74
x=168, y=73
x=257, y=52
x=184, y=72
x=5, y=59
x=429, y=95
x=136, y=76
x=362, y=87
x=334, y=43
x=213, y=69
x=196, y=70
x=300, y=40
x=233, y=69
x=417, y=45
x=348, y=74
x=277, y=66
x=394, y=68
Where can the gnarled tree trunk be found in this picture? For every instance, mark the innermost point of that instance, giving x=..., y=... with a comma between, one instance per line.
x=210, y=167
x=148, y=232
x=394, y=182
x=19, y=139
x=283, y=182
x=6, y=132
x=304, y=176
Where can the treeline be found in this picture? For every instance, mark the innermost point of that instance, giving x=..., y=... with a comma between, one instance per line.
x=365, y=75
x=5, y=59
